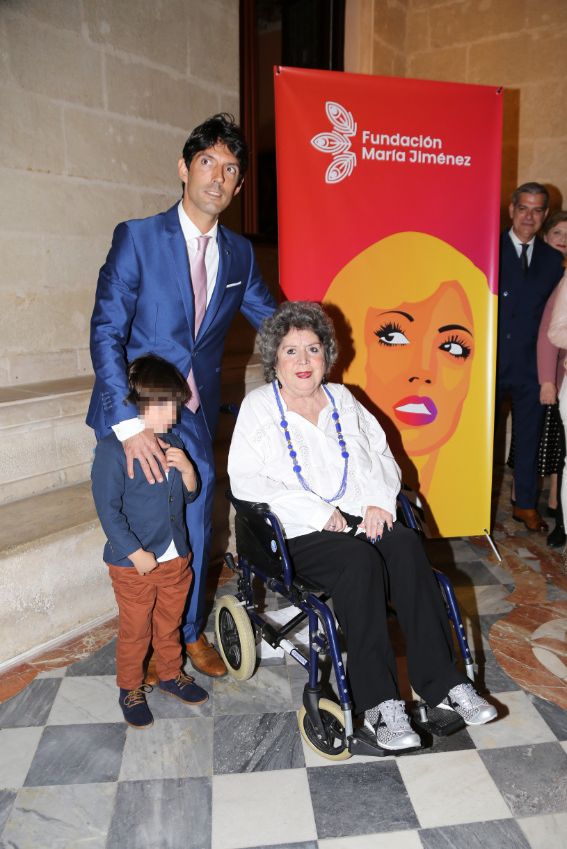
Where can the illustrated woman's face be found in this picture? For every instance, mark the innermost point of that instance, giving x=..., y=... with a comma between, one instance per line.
x=419, y=364
x=557, y=237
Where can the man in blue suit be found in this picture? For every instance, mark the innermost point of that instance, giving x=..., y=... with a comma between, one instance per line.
x=167, y=290
x=529, y=271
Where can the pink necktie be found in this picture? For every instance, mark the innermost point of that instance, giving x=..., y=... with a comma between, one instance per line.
x=199, y=281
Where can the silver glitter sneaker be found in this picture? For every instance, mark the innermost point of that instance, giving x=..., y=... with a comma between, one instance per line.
x=392, y=729
x=464, y=700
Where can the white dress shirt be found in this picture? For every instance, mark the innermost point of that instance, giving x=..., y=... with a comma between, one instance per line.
x=261, y=469
x=518, y=245
x=130, y=427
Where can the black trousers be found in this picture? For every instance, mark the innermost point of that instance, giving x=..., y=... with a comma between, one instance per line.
x=527, y=416
x=362, y=579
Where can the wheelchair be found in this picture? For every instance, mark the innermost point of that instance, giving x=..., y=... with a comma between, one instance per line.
x=327, y=727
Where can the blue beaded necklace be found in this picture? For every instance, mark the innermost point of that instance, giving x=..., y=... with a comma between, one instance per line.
x=293, y=454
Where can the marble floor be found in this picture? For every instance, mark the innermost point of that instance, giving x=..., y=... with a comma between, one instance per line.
x=235, y=773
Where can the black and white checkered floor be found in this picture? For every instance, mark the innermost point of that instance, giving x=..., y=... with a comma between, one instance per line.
x=235, y=773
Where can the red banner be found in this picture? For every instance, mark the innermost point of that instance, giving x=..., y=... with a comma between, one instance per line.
x=388, y=204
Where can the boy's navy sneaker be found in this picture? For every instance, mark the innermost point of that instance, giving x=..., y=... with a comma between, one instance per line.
x=135, y=708
x=183, y=687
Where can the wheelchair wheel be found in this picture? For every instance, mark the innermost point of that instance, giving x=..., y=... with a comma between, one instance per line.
x=333, y=721
x=235, y=638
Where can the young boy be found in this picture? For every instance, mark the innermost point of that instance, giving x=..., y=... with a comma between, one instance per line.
x=146, y=550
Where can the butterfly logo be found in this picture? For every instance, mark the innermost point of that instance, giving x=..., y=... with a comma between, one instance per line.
x=337, y=143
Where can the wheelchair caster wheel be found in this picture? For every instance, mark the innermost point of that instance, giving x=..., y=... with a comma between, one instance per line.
x=336, y=748
x=235, y=638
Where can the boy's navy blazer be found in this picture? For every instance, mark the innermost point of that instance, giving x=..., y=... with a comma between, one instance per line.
x=133, y=513
x=521, y=301
x=144, y=304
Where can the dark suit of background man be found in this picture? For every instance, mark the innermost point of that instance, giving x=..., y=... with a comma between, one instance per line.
x=145, y=303
x=529, y=271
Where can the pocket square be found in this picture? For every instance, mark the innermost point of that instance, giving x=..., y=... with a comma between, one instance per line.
x=228, y=285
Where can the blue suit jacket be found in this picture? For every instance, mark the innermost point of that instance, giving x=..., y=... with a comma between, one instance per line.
x=144, y=303
x=133, y=513
x=521, y=300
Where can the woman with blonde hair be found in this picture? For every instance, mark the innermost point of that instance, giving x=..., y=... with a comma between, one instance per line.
x=424, y=321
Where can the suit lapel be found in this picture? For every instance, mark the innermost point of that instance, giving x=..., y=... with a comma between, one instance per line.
x=512, y=252
x=170, y=472
x=179, y=262
x=221, y=281
x=170, y=478
x=536, y=258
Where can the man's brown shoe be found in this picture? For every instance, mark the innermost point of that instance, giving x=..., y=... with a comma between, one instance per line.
x=530, y=518
x=205, y=658
x=151, y=676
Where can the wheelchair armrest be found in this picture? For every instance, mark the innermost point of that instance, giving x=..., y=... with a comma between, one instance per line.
x=407, y=510
x=257, y=507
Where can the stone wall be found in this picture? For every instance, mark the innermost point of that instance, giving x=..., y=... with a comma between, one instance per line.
x=375, y=37
x=519, y=44
x=97, y=99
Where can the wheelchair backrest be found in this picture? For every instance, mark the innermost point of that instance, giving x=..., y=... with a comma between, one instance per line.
x=256, y=539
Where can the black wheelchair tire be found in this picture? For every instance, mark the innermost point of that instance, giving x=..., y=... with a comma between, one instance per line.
x=235, y=638
x=332, y=717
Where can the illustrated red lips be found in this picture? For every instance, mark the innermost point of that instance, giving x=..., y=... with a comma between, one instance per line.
x=415, y=410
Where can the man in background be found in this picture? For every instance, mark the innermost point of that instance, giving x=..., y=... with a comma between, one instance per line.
x=529, y=271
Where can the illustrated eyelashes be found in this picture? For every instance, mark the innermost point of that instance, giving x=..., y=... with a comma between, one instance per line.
x=457, y=340
x=387, y=330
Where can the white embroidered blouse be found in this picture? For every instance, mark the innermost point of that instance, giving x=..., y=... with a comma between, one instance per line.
x=261, y=469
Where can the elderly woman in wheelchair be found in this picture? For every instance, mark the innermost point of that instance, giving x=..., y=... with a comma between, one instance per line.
x=320, y=460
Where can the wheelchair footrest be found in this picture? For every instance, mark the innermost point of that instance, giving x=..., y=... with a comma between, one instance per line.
x=363, y=742
x=439, y=722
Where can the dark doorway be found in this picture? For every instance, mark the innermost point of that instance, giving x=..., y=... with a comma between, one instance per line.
x=296, y=33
